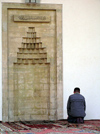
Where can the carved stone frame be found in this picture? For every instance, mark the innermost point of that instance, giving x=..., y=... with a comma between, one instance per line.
x=5, y=58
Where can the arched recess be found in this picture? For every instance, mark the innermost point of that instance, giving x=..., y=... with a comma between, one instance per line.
x=31, y=80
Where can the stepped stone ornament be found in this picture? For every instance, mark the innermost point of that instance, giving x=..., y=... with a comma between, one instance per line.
x=32, y=84
x=31, y=51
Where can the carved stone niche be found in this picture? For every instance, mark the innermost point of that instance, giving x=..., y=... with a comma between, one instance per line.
x=32, y=62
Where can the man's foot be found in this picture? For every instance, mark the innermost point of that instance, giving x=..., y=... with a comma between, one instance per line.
x=79, y=120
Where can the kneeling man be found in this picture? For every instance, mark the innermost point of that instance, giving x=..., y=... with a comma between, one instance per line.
x=76, y=107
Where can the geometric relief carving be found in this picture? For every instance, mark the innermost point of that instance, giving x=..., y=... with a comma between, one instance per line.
x=31, y=80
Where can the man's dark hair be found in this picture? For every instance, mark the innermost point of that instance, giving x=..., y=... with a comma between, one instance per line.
x=76, y=89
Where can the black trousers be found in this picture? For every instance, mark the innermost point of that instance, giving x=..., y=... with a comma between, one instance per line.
x=75, y=119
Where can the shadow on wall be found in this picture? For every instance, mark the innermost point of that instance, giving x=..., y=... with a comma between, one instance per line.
x=32, y=1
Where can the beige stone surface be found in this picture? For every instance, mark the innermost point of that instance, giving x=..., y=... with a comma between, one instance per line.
x=32, y=62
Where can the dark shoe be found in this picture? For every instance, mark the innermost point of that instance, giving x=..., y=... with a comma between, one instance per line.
x=79, y=120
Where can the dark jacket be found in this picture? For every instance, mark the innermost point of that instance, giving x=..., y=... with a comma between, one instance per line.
x=76, y=105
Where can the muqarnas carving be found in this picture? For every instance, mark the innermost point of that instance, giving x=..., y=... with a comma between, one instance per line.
x=31, y=80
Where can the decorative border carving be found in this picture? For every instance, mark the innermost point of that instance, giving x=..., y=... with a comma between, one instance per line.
x=32, y=18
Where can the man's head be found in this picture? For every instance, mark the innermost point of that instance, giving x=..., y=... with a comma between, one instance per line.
x=76, y=90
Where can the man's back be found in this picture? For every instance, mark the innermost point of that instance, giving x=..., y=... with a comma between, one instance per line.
x=76, y=105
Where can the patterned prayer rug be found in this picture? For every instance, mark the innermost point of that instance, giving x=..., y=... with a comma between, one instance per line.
x=50, y=127
x=88, y=124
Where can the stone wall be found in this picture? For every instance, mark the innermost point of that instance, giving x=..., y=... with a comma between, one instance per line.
x=32, y=62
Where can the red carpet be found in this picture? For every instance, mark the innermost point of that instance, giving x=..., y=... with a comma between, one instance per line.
x=49, y=127
x=89, y=124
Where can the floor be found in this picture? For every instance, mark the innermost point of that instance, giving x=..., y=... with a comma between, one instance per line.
x=50, y=127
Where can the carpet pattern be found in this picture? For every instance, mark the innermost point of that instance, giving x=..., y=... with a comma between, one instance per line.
x=50, y=127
